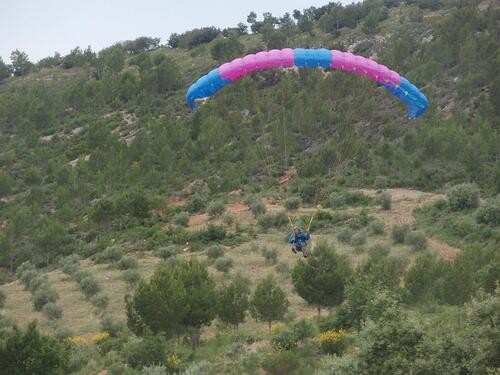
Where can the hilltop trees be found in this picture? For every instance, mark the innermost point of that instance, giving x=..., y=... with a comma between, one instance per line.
x=322, y=278
x=21, y=65
x=4, y=70
x=226, y=49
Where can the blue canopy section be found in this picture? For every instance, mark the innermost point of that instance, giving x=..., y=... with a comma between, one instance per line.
x=207, y=85
x=312, y=57
x=409, y=94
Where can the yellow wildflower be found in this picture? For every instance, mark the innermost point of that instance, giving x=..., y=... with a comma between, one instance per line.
x=100, y=337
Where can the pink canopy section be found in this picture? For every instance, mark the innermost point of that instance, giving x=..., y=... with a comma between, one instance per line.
x=360, y=65
x=276, y=58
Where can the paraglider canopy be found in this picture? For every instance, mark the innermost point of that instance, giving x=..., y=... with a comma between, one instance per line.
x=399, y=86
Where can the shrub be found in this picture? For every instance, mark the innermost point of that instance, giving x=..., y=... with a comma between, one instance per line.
x=215, y=251
x=376, y=227
x=224, y=264
x=489, y=213
x=282, y=268
x=345, y=235
x=147, y=351
x=463, y=196
x=215, y=208
x=166, y=252
x=38, y=282
x=70, y=268
x=44, y=296
x=228, y=218
x=182, y=219
x=303, y=329
x=332, y=342
x=399, y=232
x=277, y=220
x=258, y=208
x=254, y=247
x=358, y=239
x=154, y=370
x=100, y=301
x=281, y=362
x=3, y=297
x=89, y=286
x=416, y=239
x=380, y=182
x=131, y=277
x=385, y=200
x=63, y=332
x=380, y=248
x=270, y=255
x=196, y=203
x=52, y=311
x=127, y=262
x=25, y=266
x=348, y=198
x=27, y=275
x=293, y=203
x=112, y=325
x=109, y=254
x=285, y=339
x=80, y=275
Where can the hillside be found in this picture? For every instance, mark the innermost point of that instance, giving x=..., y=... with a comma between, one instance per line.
x=107, y=178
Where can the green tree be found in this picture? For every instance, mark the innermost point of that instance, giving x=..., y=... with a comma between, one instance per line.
x=29, y=352
x=226, y=49
x=322, y=278
x=200, y=300
x=269, y=302
x=233, y=301
x=4, y=70
x=158, y=304
x=21, y=65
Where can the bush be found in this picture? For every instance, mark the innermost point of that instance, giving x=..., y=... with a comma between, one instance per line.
x=380, y=249
x=3, y=297
x=215, y=251
x=100, y=301
x=80, y=275
x=463, y=196
x=345, y=235
x=399, y=232
x=332, y=342
x=215, y=208
x=52, y=311
x=416, y=239
x=44, y=296
x=224, y=264
x=182, y=219
x=303, y=329
x=27, y=275
x=63, y=332
x=228, y=218
x=38, y=282
x=281, y=362
x=376, y=227
x=277, y=220
x=293, y=203
x=282, y=268
x=285, y=339
x=25, y=266
x=154, y=370
x=385, y=200
x=358, y=239
x=258, y=208
x=128, y=262
x=270, y=255
x=112, y=325
x=109, y=254
x=166, y=252
x=380, y=182
x=132, y=276
x=489, y=213
x=147, y=351
x=70, y=268
x=89, y=286
x=348, y=198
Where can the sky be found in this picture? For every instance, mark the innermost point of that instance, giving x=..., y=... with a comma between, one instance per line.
x=41, y=28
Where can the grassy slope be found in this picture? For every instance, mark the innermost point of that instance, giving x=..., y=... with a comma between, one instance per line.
x=81, y=316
